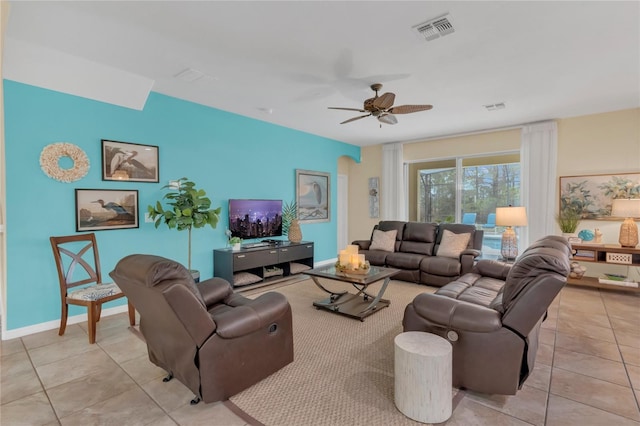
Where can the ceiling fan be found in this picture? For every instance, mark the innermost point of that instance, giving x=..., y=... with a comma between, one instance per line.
x=382, y=107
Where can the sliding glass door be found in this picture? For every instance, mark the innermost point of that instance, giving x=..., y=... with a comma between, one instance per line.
x=466, y=190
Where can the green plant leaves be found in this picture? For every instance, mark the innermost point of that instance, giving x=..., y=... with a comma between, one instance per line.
x=289, y=212
x=188, y=208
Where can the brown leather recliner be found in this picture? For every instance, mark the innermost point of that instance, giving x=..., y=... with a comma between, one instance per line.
x=217, y=343
x=492, y=315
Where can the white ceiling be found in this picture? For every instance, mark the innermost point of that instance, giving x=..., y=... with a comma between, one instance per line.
x=286, y=62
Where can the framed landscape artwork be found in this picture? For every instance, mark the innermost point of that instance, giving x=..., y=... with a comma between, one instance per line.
x=129, y=161
x=592, y=195
x=103, y=209
x=313, y=195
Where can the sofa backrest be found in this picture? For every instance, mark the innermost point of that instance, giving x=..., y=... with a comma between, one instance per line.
x=475, y=242
x=535, y=279
x=164, y=293
x=419, y=237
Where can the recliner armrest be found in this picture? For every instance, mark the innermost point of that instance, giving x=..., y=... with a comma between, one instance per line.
x=214, y=290
x=456, y=314
x=472, y=252
x=467, y=258
x=245, y=319
x=362, y=244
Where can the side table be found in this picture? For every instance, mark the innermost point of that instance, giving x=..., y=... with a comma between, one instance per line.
x=423, y=376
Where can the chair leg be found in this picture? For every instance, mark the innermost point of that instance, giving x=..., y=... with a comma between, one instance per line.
x=91, y=322
x=98, y=311
x=63, y=319
x=132, y=314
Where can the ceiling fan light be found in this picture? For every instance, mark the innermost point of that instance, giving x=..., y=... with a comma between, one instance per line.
x=388, y=119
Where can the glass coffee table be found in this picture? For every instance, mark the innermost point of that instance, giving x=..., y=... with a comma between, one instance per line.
x=359, y=305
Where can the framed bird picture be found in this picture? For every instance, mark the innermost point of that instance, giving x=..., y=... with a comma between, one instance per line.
x=313, y=196
x=103, y=209
x=133, y=162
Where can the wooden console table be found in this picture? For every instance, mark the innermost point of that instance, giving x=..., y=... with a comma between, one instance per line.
x=605, y=254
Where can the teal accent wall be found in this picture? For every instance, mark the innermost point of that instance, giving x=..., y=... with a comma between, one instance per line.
x=227, y=155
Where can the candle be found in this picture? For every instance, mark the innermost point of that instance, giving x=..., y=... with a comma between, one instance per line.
x=352, y=249
x=361, y=259
x=344, y=258
x=354, y=261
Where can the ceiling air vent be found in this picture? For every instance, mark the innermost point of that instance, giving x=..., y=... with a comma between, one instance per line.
x=435, y=28
x=494, y=107
x=189, y=75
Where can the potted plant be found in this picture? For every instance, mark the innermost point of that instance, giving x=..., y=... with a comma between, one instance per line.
x=568, y=220
x=187, y=208
x=235, y=243
x=290, y=225
x=289, y=212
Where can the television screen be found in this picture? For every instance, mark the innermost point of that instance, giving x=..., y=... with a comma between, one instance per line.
x=255, y=218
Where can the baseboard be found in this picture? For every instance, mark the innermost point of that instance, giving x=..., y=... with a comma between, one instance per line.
x=52, y=325
x=325, y=262
x=55, y=324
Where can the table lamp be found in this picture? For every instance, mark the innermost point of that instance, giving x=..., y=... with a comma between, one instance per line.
x=510, y=217
x=629, y=208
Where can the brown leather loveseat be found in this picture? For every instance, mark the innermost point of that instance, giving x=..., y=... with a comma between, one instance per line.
x=492, y=315
x=214, y=341
x=416, y=251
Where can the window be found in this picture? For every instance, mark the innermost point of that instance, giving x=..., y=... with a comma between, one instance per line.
x=466, y=190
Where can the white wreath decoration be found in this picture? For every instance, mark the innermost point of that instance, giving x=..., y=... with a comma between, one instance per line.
x=50, y=162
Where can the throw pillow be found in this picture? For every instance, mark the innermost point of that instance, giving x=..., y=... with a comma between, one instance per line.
x=384, y=240
x=453, y=244
x=245, y=278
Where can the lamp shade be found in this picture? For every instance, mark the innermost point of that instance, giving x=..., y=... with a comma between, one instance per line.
x=511, y=216
x=626, y=207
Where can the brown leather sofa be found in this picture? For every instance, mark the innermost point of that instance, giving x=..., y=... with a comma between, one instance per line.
x=492, y=315
x=416, y=251
x=217, y=343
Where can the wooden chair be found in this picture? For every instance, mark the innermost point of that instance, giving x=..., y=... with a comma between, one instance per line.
x=92, y=296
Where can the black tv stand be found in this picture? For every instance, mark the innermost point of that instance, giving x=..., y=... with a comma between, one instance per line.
x=262, y=263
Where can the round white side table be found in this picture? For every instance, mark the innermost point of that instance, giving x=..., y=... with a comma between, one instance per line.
x=423, y=376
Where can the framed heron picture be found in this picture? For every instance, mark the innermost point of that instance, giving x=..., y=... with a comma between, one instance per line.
x=129, y=161
x=313, y=196
x=103, y=209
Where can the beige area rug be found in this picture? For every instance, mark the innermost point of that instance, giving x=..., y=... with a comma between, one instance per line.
x=342, y=373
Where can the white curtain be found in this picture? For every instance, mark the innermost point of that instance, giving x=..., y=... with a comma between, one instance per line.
x=538, y=159
x=392, y=192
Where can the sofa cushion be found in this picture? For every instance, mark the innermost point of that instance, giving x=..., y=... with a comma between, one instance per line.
x=453, y=244
x=419, y=238
x=404, y=260
x=420, y=232
x=383, y=240
x=442, y=266
x=375, y=257
x=474, y=288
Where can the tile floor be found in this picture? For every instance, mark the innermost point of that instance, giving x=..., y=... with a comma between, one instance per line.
x=587, y=373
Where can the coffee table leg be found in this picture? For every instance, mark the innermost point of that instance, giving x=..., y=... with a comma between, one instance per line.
x=333, y=296
x=378, y=297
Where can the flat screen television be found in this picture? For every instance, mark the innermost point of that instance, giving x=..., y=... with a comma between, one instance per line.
x=250, y=218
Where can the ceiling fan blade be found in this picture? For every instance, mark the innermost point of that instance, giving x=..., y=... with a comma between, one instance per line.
x=348, y=109
x=387, y=119
x=384, y=101
x=355, y=118
x=406, y=109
